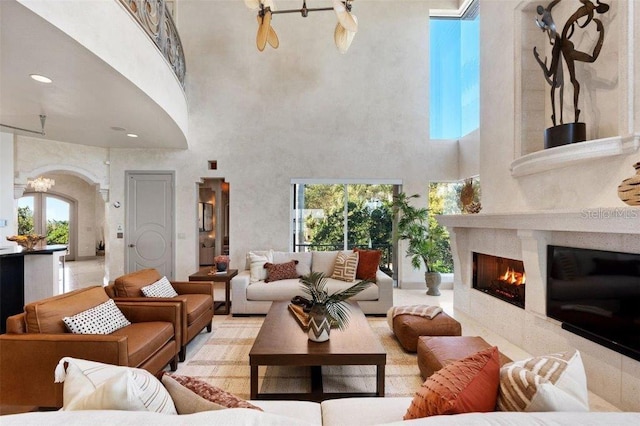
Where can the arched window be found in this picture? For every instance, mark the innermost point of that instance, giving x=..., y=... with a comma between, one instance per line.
x=48, y=214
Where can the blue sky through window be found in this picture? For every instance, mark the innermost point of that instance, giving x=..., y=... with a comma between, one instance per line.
x=455, y=77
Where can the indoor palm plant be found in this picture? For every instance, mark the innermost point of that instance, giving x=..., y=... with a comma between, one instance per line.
x=423, y=248
x=327, y=309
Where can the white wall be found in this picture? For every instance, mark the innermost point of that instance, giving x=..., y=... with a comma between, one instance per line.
x=302, y=111
x=7, y=205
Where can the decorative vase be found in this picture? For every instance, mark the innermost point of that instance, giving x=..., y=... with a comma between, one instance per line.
x=319, y=325
x=433, y=280
x=629, y=189
x=28, y=242
x=221, y=266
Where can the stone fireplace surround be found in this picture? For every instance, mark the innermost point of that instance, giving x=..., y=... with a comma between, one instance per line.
x=525, y=236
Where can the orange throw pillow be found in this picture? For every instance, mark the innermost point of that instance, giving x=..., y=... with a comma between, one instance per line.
x=464, y=386
x=368, y=262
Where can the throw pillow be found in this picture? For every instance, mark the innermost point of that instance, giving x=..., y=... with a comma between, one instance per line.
x=185, y=400
x=555, y=382
x=256, y=265
x=102, y=319
x=304, y=260
x=161, y=288
x=345, y=267
x=212, y=393
x=90, y=385
x=281, y=271
x=324, y=261
x=464, y=386
x=368, y=262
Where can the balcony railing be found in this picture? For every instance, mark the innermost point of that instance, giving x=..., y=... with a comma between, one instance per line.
x=154, y=17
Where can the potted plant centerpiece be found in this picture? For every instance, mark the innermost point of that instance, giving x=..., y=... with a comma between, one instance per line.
x=327, y=309
x=423, y=248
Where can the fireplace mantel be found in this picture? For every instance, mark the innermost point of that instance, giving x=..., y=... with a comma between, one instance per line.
x=617, y=220
x=567, y=155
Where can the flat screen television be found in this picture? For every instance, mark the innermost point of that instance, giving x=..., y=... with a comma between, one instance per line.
x=596, y=294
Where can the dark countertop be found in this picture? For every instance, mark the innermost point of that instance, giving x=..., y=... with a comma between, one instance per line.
x=19, y=251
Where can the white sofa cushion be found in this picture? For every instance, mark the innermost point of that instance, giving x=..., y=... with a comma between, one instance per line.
x=324, y=261
x=257, y=260
x=364, y=411
x=304, y=260
x=287, y=289
x=303, y=411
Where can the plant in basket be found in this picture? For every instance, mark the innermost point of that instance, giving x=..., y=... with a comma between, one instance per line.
x=325, y=308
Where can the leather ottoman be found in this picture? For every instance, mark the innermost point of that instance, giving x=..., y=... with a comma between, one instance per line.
x=408, y=328
x=434, y=352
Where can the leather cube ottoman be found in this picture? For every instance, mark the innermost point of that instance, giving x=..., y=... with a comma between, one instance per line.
x=434, y=352
x=408, y=328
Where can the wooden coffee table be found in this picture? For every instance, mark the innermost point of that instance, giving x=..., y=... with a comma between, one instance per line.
x=281, y=341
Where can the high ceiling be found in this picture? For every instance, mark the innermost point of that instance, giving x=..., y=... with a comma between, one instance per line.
x=87, y=100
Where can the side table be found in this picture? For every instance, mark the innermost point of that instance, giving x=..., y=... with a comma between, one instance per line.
x=205, y=274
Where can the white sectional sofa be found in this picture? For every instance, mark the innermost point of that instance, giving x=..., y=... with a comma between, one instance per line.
x=335, y=412
x=252, y=298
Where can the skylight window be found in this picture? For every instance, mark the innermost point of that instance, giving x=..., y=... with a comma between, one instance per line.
x=455, y=76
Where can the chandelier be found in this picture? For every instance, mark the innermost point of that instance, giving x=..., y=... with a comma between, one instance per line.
x=41, y=184
x=343, y=34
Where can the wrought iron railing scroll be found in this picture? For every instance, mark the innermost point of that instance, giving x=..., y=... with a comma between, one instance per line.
x=154, y=17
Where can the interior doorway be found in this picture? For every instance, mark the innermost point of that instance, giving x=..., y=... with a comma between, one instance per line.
x=149, y=221
x=213, y=219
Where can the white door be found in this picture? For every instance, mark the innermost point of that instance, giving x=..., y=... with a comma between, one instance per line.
x=149, y=235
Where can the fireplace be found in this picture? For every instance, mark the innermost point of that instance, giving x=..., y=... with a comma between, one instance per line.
x=500, y=277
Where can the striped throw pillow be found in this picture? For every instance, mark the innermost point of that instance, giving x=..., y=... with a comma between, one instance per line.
x=90, y=385
x=555, y=382
x=346, y=267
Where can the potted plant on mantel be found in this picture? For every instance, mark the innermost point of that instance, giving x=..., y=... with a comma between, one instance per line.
x=413, y=227
x=325, y=308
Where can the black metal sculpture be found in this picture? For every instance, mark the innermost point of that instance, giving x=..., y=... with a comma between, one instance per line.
x=564, y=48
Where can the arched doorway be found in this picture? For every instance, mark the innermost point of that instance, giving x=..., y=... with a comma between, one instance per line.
x=49, y=214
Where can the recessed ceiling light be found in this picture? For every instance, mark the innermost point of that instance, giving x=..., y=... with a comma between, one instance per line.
x=40, y=78
x=132, y=135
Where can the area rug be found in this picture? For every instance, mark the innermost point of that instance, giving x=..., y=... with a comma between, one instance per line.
x=224, y=361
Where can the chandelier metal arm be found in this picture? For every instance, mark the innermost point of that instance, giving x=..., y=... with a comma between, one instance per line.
x=304, y=10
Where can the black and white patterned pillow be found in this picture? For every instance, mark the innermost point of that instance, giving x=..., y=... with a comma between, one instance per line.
x=102, y=319
x=161, y=288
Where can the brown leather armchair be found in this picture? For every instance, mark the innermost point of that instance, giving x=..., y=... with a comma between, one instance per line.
x=196, y=299
x=37, y=339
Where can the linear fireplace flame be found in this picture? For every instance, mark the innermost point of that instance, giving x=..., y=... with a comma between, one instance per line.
x=500, y=277
x=514, y=278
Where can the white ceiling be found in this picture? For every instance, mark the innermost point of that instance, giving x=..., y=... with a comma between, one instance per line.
x=87, y=97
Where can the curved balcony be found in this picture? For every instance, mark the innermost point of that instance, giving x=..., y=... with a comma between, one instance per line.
x=155, y=18
x=117, y=67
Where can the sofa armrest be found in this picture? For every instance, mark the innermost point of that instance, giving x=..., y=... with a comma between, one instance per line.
x=239, y=285
x=193, y=287
x=385, y=288
x=28, y=361
x=166, y=310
